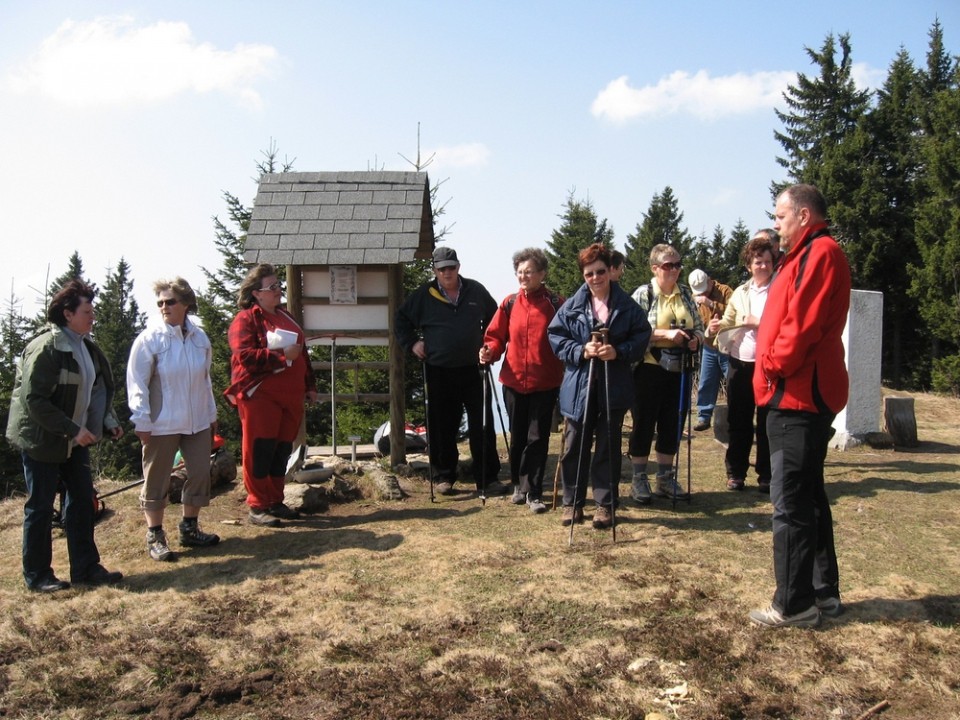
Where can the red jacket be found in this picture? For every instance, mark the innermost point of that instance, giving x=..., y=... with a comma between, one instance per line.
x=251, y=362
x=530, y=365
x=800, y=357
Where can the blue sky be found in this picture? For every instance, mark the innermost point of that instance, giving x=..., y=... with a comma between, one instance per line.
x=124, y=122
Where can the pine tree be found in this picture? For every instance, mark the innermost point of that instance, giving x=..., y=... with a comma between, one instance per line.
x=579, y=229
x=661, y=224
x=118, y=323
x=14, y=335
x=822, y=110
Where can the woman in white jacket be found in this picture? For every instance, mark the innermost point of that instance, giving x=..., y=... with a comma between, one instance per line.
x=171, y=401
x=743, y=314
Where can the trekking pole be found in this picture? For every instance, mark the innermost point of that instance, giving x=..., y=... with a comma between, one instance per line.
x=614, y=472
x=496, y=400
x=689, y=430
x=556, y=472
x=583, y=437
x=426, y=415
x=101, y=496
x=484, y=448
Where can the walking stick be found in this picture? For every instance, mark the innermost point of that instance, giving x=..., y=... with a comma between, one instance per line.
x=689, y=431
x=426, y=415
x=614, y=474
x=556, y=472
x=483, y=447
x=676, y=457
x=583, y=436
x=496, y=400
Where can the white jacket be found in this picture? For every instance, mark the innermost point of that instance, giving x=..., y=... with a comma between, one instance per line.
x=168, y=380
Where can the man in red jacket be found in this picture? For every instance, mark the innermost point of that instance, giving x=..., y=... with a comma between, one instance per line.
x=801, y=378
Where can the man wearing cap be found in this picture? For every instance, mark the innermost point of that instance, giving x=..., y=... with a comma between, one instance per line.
x=442, y=322
x=711, y=298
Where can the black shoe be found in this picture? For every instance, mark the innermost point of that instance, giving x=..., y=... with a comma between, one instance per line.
x=284, y=512
x=702, y=425
x=99, y=575
x=50, y=584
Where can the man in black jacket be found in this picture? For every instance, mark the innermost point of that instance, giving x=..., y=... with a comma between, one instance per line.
x=442, y=324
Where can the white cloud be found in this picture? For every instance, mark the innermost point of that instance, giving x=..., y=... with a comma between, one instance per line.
x=700, y=95
x=468, y=155
x=111, y=61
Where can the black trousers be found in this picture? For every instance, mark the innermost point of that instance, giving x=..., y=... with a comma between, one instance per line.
x=602, y=465
x=741, y=408
x=804, y=556
x=451, y=392
x=531, y=416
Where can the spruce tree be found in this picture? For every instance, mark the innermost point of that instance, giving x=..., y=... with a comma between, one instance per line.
x=579, y=229
x=14, y=334
x=118, y=323
x=661, y=224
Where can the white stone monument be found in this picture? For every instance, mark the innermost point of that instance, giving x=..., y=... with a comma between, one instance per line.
x=862, y=340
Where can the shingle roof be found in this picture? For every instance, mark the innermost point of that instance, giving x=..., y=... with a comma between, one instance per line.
x=341, y=218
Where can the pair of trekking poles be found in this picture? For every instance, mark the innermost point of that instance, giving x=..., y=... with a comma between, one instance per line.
x=488, y=389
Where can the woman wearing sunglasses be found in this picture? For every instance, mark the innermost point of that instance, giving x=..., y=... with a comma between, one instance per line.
x=272, y=378
x=172, y=408
x=677, y=333
x=598, y=323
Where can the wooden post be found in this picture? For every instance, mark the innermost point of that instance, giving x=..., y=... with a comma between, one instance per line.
x=295, y=293
x=398, y=406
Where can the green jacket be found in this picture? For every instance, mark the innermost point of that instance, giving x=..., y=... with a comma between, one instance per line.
x=45, y=394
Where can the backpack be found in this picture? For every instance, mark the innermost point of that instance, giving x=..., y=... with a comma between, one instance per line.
x=555, y=300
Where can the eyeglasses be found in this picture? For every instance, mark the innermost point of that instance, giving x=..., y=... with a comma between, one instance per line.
x=169, y=302
x=271, y=288
x=598, y=273
x=671, y=266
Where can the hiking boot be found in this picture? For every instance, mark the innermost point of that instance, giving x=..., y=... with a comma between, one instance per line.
x=157, y=546
x=518, y=498
x=444, y=488
x=494, y=488
x=602, y=518
x=284, y=512
x=773, y=618
x=702, y=425
x=735, y=483
x=536, y=505
x=98, y=575
x=668, y=487
x=640, y=489
x=191, y=535
x=572, y=515
x=830, y=606
x=49, y=584
x=263, y=519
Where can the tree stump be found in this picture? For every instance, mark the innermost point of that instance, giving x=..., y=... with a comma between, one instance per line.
x=900, y=421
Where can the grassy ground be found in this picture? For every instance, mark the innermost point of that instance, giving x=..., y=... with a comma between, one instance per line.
x=460, y=610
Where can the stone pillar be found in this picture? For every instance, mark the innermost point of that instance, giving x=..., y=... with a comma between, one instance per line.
x=862, y=340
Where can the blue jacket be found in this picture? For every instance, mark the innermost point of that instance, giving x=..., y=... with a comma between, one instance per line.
x=569, y=331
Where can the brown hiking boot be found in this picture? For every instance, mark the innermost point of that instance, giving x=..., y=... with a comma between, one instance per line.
x=602, y=518
x=571, y=515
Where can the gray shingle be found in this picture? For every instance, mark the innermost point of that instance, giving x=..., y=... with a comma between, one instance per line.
x=302, y=212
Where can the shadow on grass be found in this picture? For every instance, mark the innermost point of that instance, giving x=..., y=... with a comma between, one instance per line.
x=940, y=610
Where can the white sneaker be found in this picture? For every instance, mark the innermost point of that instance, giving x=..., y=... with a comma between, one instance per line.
x=771, y=617
x=518, y=498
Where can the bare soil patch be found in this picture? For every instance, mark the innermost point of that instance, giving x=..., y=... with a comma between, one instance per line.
x=455, y=609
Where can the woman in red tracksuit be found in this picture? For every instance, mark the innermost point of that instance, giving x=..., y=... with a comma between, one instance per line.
x=531, y=373
x=271, y=379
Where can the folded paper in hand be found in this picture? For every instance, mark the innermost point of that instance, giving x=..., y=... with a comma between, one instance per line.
x=279, y=339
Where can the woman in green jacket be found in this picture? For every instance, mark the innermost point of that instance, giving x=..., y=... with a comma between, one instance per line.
x=61, y=405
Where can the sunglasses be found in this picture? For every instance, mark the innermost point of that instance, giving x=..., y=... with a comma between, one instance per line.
x=595, y=273
x=169, y=302
x=271, y=288
x=671, y=266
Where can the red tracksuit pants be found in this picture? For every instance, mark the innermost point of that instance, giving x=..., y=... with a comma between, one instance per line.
x=270, y=421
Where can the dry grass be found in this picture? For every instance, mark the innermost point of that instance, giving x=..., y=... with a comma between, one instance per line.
x=456, y=610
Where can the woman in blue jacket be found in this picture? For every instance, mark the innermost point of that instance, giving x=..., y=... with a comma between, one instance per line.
x=601, y=326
